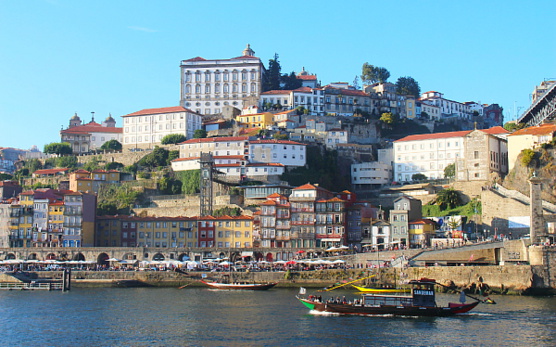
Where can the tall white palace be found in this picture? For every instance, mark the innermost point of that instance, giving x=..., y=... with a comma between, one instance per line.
x=209, y=85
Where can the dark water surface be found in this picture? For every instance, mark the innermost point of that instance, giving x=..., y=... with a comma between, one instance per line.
x=204, y=317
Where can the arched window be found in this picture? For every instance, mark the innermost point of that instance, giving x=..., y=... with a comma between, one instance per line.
x=244, y=88
x=217, y=76
x=253, y=87
x=234, y=75
x=188, y=89
x=197, y=89
x=226, y=90
x=226, y=76
x=244, y=75
x=188, y=76
x=207, y=89
x=234, y=88
x=253, y=74
x=217, y=88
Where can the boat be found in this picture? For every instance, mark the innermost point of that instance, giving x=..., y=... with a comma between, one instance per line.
x=240, y=286
x=381, y=290
x=421, y=302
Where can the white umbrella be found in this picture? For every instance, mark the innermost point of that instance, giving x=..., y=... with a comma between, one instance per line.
x=112, y=259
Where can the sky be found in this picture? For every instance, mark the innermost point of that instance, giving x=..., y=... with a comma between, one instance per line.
x=61, y=57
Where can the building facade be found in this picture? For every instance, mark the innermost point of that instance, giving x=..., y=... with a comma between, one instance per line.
x=146, y=128
x=207, y=85
x=84, y=138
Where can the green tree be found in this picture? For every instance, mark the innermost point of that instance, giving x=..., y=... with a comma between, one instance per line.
x=5, y=177
x=373, y=74
x=92, y=164
x=112, y=145
x=408, y=86
x=172, y=139
x=200, y=134
x=33, y=165
x=158, y=157
x=227, y=211
x=273, y=76
x=69, y=161
x=388, y=118
x=527, y=156
x=418, y=177
x=58, y=148
x=450, y=171
x=172, y=155
x=117, y=198
x=291, y=81
x=114, y=166
x=190, y=181
x=513, y=126
x=279, y=136
x=448, y=199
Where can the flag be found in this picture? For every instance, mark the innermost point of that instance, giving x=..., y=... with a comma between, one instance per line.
x=302, y=291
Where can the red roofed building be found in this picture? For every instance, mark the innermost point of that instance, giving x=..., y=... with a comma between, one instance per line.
x=84, y=138
x=145, y=129
x=208, y=85
x=530, y=137
x=307, y=79
x=477, y=154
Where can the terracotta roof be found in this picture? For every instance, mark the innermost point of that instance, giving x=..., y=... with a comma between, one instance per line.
x=273, y=92
x=274, y=195
x=307, y=77
x=196, y=59
x=303, y=89
x=246, y=57
x=543, y=129
x=215, y=139
x=278, y=142
x=423, y=221
x=240, y=157
x=172, y=109
x=495, y=130
x=50, y=171
x=91, y=127
x=421, y=137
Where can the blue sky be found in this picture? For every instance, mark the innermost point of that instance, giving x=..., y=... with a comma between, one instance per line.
x=59, y=57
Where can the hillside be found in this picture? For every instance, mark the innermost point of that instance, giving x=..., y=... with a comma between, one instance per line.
x=542, y=165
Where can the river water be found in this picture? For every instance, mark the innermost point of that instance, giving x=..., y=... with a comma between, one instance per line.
x=205, y=317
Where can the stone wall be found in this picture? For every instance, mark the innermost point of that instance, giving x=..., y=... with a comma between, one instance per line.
x=497, y=208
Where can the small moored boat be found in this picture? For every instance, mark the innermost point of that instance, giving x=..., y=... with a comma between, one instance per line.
x=240, y=286
x=421, y=302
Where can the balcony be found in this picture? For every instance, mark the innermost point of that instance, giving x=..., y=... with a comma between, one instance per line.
x=305, y=209
x=282, y=238
x=302, y=222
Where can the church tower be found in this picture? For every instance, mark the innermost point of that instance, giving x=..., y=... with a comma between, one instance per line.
x=75, y=121
x=248, y=51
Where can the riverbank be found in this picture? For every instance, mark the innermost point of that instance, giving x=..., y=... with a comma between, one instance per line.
x=518, y=279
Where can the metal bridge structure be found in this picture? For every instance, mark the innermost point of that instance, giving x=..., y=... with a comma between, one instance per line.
x=543, y=109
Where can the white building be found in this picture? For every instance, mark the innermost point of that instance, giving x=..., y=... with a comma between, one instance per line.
x=239, y=158
x=146, y=128
x=311, y=99
x=84, y=138
x=429, y=154
x=209, y=85
x=335, y=136
x=371, y=173
x=288, y=153
x=448, y=108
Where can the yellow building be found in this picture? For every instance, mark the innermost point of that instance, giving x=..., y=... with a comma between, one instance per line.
x=257, y=120
x=421, y=231
x=234, y=232
x=530, y=137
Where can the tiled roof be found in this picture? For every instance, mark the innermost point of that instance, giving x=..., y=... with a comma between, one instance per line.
x=148, y=111
x=543, y=129
x=50, y=171
x=304, y=90
x=421, y=137
x=196, y=59
x=278, y=142
x=273, y=92
x=307, y=77
x=91, y=127
x=495, y=130
x=215, y=139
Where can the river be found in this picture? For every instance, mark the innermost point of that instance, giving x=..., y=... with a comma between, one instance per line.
x=205, y=317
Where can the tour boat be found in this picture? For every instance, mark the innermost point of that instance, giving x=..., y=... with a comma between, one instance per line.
x=421, y=302
x=381, y=290
x=240, y=285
